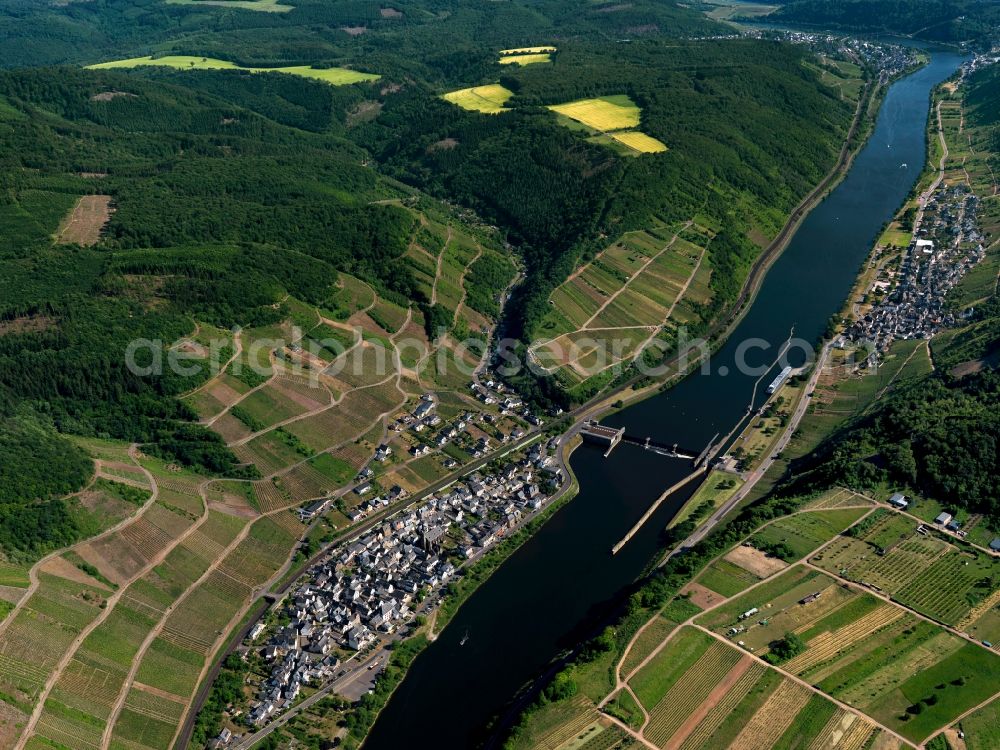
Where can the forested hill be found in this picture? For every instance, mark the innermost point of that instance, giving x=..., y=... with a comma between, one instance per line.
x=429, y=39
x=748, y=127
x=220, y=215
x=940, y=436
x=936, y=20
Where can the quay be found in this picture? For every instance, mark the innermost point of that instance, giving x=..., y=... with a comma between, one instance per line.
x=658, y=502
x=701, y=464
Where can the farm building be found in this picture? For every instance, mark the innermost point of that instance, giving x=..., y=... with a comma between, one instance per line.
x=995, y=544
x=899, y=500
x=313, y=509
x=423, y=409
x=944, y=519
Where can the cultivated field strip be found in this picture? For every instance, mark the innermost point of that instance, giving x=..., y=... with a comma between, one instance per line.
x=89, y=688
x=647, y=279
x=126, y=473
x=773, y=718
x=652, y=636
x=308, y=395
x=930, y=651
x=269, y=405
x=583, y=713
x=269, y=453
x=857, y=735
x=186, y=485
x=231, y=429
x=32, y=644
x=252, y=561
x=908, y=561
x=685, y=695
x=14, y=668
x=269, y=497
x=289, y=522
x=356, y=454
x=221, y=527
x=229, y=586
x=904, y=563
x=940, y=592
x=93, y=678
x=148, y=608
x=243, y=452
x=320, y=431
x=190, y=503
x=76, y=735
x=189, y=641
x=203, y=546
x=146, y=538
x=175, y=660
x=828, y=645
x=83, y=699
x=714, y=718
x=305, y=481
x=154, y=706
x=990, y=602
x=91, y=684
x=836, y=728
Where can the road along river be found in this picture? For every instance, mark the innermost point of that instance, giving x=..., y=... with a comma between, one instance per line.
x=563, y=580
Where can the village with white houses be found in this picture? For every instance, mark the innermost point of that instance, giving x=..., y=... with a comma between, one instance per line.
x=363, y=593
x=889, y=60
x=909, y=293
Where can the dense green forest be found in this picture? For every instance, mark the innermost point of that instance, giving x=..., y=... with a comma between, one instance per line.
x=37, y=462
x=935, y=20
x=440, y=39
x=210, y=198
x=749, y=130
x=940, y=436
x=38, y=467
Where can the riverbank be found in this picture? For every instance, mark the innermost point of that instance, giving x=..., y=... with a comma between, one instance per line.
x=550, y=719
x=789, y=548
x=562, y=585
x=861, y=126
x=368, y=677
x=626, y=395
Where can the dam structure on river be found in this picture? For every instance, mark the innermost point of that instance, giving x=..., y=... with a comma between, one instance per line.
x=594, y=432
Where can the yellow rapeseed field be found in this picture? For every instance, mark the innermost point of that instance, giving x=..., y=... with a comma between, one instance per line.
x=541, y=57
x=488, y=99
x=333, y=76
x=639, y=141
x=605, y=114
x=526, y=50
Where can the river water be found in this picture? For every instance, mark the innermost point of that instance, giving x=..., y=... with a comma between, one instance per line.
x=563, y=580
